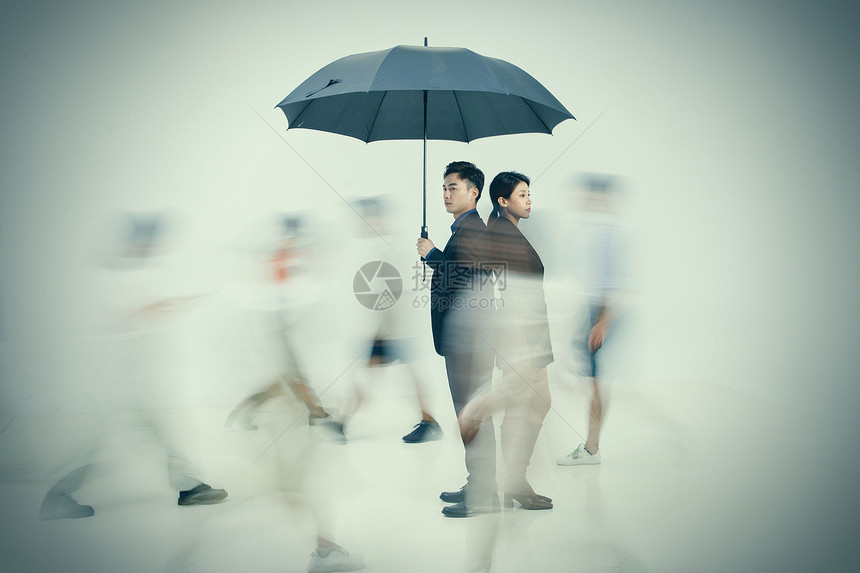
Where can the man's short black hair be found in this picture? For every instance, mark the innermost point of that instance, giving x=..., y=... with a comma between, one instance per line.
x=468, y=172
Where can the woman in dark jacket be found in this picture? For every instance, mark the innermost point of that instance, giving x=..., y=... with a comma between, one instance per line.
x=522, y=341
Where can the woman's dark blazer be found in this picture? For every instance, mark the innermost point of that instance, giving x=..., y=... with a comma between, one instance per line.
x=517, y=260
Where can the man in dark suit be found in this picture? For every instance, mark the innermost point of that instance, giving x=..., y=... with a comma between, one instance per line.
x=460, y=300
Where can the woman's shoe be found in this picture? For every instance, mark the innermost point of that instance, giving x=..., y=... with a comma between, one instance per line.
x=528, y=500
x=524, y=489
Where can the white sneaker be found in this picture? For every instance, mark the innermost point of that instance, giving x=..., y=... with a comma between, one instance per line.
x=338, y=560
x=579, y=457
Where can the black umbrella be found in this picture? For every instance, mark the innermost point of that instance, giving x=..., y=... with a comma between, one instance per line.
x=414, y=92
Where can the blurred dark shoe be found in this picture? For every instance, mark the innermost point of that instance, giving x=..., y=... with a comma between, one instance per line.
x=201, y=495
x=62, y=506
x=472, y=506
x=424, y=432
x=335, y=428
x=454, y=496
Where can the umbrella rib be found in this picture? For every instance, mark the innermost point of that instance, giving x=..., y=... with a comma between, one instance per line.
x=376, y=115
x=529, y=104
x=301, y=113
x=460, y=113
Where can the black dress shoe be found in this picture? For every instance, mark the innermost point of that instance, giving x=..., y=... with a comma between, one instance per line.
x=470, y=506
x=454, y=496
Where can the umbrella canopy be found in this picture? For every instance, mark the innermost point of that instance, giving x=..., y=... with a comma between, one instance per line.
x=414, y=92
x=380, y=95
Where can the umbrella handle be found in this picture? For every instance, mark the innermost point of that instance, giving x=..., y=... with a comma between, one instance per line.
x=424, y=236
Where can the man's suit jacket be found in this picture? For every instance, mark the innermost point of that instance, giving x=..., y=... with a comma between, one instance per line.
x=456, y=268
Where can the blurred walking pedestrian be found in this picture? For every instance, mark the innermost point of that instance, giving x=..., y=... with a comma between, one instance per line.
x=146, y=304
x=388, y=325
x=274, y=315
x=602, y=277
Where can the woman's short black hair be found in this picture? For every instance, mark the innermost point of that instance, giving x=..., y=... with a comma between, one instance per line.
x=502, y=186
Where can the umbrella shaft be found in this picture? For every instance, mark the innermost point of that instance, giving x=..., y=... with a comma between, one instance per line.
x=424, y=178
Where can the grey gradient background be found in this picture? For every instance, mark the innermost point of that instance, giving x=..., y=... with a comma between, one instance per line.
x=736, y=125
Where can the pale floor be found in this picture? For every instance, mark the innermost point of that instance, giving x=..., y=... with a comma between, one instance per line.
x=696, y=477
